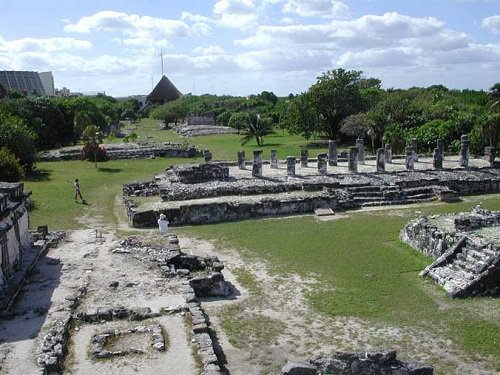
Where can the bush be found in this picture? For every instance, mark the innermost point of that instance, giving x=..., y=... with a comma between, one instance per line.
x=10, y=168
x=19, y=139
x=93, y=152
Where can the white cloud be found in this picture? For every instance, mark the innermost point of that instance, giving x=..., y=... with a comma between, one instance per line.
x=284, y=60
x=236, y=14
x=131, y=25
x=234, y=7
x=378, y=58
x=365, y=32
x=43, y=44
x=318, y=8
x=210, y=50
x=492, y=23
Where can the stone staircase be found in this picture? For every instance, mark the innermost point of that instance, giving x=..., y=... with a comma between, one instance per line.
x=367, y=196
x=467, y=268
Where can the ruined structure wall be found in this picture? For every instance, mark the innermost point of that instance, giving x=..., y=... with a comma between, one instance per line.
x=14, y=240
x=427, y=238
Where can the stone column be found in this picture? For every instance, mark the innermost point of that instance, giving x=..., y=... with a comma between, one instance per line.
x=410, y=161
x=304, y=155
x=352, y=162
x=380, y=160
x=464, y=151
x=332, y=152
x=360, y=144
x=207, y=155
x=437, y=159
x=415, y=150
x=241, y=160
x=257, y=163
x=274, y=160
x=322, y=164
x=388, y=153
x=489, y=155
x=290, y=165
x=440, y=146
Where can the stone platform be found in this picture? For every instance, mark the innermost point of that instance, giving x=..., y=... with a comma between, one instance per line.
x=465, y=248
x=216, y=192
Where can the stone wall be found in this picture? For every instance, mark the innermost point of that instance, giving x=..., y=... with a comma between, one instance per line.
x=233, y=209
x=195, y=173
x=365, y=363
x=125, y=151
x=14, y=231
x=465, y=248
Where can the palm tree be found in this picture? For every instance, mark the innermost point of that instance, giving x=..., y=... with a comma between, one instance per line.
x=494, y=96
x=256, y=128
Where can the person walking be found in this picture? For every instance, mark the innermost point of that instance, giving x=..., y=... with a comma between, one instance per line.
x=163, y=225
x=76, y=187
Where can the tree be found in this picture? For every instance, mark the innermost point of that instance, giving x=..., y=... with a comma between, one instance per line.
x=301, y=116
x=257, y=128
x=3, y=92
x=19, y=139
x=494, y=96
x=336, y=95
x=81, y=122
x=91, y=150
x=10, y=168
x=170, y=112
x=239, y=120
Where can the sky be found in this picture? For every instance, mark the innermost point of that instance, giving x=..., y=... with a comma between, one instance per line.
x=242, y=47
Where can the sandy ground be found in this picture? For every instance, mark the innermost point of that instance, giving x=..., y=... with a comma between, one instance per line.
x=301, y=333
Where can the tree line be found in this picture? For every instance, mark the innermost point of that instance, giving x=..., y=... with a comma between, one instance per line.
x=30, y=123
x=344, y=104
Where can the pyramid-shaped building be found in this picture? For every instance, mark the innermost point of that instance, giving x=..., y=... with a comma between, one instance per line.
x=164, y=92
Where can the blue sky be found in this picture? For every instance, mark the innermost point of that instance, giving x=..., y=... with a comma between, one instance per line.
x=241, y=47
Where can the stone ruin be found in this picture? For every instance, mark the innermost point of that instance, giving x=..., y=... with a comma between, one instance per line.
x=208, y=282
x=174, y=264
x=365, y=363
x=199, y=124
x=465, y=248
x=222, y=191
x=116, y=151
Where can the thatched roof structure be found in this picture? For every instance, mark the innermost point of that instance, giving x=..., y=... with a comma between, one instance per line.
x=164, y=92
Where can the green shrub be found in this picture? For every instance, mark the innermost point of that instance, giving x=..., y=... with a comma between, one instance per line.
x=10, y=168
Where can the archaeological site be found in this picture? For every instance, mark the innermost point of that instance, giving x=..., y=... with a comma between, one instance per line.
x=108, y=301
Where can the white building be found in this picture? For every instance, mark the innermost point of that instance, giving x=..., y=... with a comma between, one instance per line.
x=48, y=83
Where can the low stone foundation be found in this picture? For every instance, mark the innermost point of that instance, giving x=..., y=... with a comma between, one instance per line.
x=215, y=192
x=465, y=248
x=116, y=151
x=365, y=363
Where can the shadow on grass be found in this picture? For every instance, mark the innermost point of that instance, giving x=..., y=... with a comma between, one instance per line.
x=39, y=175
x=109, y=170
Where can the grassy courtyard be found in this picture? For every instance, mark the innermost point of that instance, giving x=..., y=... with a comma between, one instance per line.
x=364, y=271
x=361, y=268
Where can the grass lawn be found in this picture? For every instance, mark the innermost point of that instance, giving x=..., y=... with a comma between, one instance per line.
x=364, y=271
x=53, y=195
x=226, y=146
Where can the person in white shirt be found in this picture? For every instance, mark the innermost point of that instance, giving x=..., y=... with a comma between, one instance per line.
x=163, y=224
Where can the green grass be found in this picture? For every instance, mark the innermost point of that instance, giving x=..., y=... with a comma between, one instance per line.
x=226, y=146
x=245, y=328
x=53, y=195
x=365, y=271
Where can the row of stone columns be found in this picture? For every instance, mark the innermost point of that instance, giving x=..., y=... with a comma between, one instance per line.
x=357, y=156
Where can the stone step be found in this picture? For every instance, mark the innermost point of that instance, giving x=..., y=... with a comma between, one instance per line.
x=420, y=196
x=395, y=202
x=367, y=188
x=368, y=199
x=368, y=194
